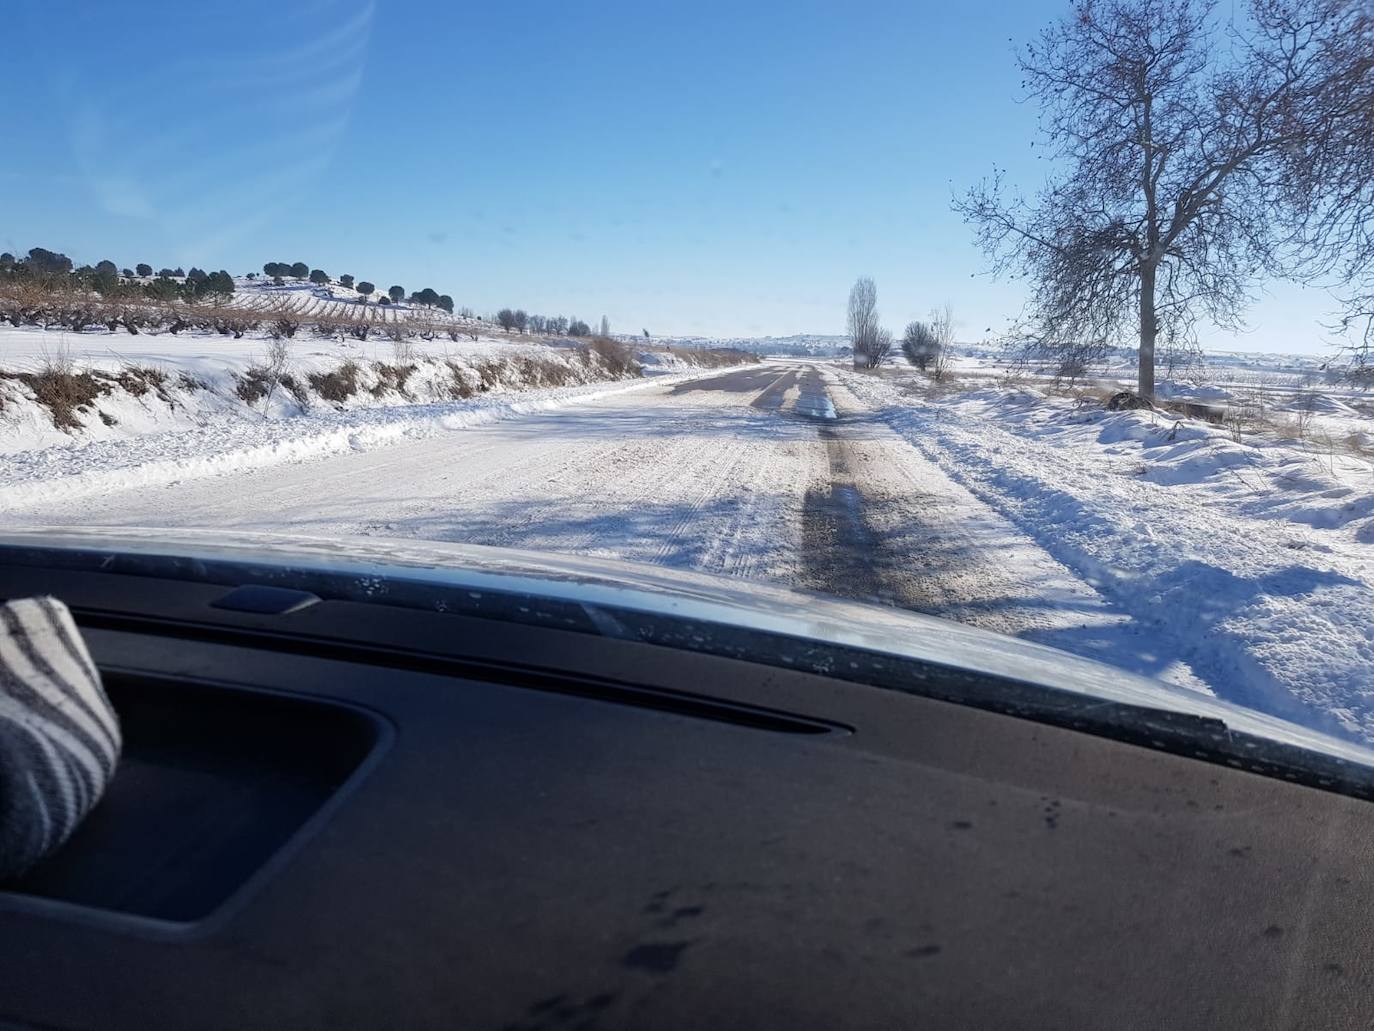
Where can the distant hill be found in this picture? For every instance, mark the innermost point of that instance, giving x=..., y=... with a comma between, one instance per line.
x=805, y=345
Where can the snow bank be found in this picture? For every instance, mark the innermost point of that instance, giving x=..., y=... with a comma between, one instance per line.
x=222, y=446
x=197, y=405
x=1250, y=559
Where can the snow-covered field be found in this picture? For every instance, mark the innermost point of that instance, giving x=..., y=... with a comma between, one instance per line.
x=1231, y=557
x=260, y=296
x=1250, y=559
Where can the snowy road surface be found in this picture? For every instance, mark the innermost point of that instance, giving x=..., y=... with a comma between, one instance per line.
x=773, y=472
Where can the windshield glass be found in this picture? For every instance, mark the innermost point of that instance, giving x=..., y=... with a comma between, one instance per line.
x=1050, y=320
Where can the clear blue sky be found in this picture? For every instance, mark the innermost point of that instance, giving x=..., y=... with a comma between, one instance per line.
x=693, y=168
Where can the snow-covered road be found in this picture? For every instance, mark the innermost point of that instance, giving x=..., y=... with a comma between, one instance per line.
x=773, y=472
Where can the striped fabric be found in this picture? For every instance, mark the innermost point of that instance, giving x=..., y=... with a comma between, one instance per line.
x=59, y=736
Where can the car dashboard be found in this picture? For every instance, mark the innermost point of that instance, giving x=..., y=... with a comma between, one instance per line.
x=335, y=811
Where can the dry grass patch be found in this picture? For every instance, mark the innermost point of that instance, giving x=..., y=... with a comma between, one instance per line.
x=615, y=357
x=459, y=389
x=63, y=392
x=254, y=385
x=296, y=389
x=337, y=385
x=140, y=379
x=543, y=372
x=394, y=377
x=488, y=374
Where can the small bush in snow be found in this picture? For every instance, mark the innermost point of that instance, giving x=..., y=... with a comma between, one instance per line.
x=919, y=345
x=254, y=385
x=459, y=388
x=338, y=385
x=64, y=392
x=615, y=357
x=140, y=379
x=392, y=377
x=297, y=390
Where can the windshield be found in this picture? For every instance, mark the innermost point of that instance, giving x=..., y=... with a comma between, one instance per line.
x=1050, y=320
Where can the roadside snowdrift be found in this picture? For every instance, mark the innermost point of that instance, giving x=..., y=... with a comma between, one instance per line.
x=1251, y=559
x=77, y=418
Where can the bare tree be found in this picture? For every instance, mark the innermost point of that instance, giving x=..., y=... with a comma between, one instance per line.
x=1180, y=358
x=1358, y=324
x=605, y=326
x=1335, y=189
x=942, y=332
x=880, y=349
x=274, y=369
x=1184, y=161
x=863, y=320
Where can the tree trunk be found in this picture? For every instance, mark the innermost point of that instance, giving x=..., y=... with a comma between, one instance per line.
x=1148, y=327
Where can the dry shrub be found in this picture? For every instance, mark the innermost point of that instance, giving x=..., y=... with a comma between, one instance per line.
x=488, y=374
x=459, y=388
x=392, y=377
x=1012, y=379
x=543, y=372
x=1208, y=413
x=337, y=385
x=617, y=358
x=1242, y=418
x=63, y=392
x=402, y=347
x=254, y=385
x=1086, y=393
x=278, y=353
x=296, y=389
x=139, y=379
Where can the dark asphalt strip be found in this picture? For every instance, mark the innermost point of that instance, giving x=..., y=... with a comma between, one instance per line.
x=839, y=548
x=842, y=552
